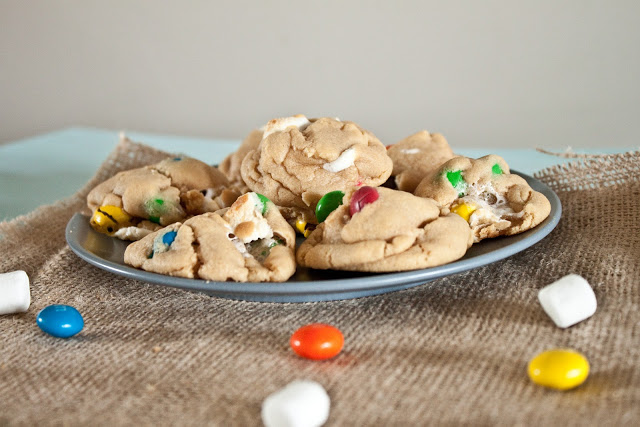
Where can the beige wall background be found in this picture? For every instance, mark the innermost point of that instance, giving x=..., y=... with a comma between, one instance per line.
x=484, y=73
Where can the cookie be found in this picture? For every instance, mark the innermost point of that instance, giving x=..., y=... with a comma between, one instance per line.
x=494, y=201
x=133, y=203
x=385, y=230
x=417, y=156
x=230, y=166
x=299, y=160
x=250, y=241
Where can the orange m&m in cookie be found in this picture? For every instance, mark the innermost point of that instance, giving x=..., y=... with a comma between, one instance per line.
x=317, y=341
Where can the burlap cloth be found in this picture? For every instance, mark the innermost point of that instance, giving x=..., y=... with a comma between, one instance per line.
x=453, y=351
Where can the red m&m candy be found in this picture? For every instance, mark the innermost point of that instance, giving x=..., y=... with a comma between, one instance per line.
x=363, y=196
x=317, y=341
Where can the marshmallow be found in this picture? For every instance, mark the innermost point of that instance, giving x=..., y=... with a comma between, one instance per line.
x=568, y=301
x=301, y=403
x=278, y=125
x=14, y=292
x=410, y=150
x=345, y=160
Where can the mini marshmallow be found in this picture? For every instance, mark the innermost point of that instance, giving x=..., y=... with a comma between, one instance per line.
x=15, y=296
x=278, y=125
x=568, y=301
x=410, y=150
x=301, y=403
x=345, y=160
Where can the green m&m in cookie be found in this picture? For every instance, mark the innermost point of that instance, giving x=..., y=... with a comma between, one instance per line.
x=327, y=204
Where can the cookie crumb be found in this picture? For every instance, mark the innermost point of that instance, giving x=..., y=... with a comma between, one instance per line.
x=157, y=349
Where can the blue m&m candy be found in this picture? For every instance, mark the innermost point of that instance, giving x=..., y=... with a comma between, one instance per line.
x=61, y=321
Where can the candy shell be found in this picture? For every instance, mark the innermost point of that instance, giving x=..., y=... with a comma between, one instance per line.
x=264, y=200
x=317, y=341
x=362, y=197
x=562, y=369
x=61, y=321
x=327, y=204
x=457, y=181
x=169, y=237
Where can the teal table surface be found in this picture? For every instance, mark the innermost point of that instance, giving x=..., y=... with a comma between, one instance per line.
x=40, y=170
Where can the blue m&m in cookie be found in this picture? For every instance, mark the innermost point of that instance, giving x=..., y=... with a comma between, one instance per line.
x=61, y=321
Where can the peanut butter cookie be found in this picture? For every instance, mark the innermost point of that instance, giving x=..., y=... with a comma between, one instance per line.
x=494, y=201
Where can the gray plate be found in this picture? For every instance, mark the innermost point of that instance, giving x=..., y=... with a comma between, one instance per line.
x=307, y=284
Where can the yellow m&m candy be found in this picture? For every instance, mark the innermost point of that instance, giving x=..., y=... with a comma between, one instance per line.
x=109, y=219
x=464, y=210
x=303, y=227
x=562, y=369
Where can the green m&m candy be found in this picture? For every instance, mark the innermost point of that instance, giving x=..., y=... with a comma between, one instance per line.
x=327, y=204
x=264, y=200
x=496, y=169
x=457, y=181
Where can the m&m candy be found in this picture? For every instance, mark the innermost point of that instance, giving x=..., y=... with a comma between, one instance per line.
x=327, y=204
x=109, y=219
x=61, y=321
x=562, y=369
x=362, y=197
x=317, y=341
x=464, y=210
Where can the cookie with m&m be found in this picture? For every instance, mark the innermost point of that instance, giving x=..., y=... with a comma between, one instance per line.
x=301, y=159
x=380, y=229
x=492, y=200
x=417, y=156
x=134, y=203
x=249, y=241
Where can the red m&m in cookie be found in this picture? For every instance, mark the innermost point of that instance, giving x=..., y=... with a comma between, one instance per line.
x=362, y=197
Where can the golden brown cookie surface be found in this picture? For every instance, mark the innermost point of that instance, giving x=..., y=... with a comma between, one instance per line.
x=416, y=156
x=230, y=166
x=132, y=203
x=240, y=243
x=485, y=193
x=299, y=160
x=396, y=232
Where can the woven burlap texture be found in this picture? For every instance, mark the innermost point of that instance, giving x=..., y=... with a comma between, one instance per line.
x=452, y=351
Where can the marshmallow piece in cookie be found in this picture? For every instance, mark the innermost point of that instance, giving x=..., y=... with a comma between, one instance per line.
x=301, y=403
x=298, y=121
x=568, y=300
x=15, y=296
x=345, y=160
x=246, y=220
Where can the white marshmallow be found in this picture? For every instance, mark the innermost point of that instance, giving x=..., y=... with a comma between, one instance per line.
x=278, y=125
x=301, y=403
x=568, y=301
x=344, y=160
x=15, y=296
x=132, y=233
x=248, y=208
x=410, y=150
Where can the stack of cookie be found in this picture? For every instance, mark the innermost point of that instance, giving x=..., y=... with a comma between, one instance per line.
x=359, y=205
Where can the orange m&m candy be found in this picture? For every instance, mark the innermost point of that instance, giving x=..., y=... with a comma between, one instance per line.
x=317, y=341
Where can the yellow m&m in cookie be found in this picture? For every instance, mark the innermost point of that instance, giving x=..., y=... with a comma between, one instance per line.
x=464, y=210
x=562, y=369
